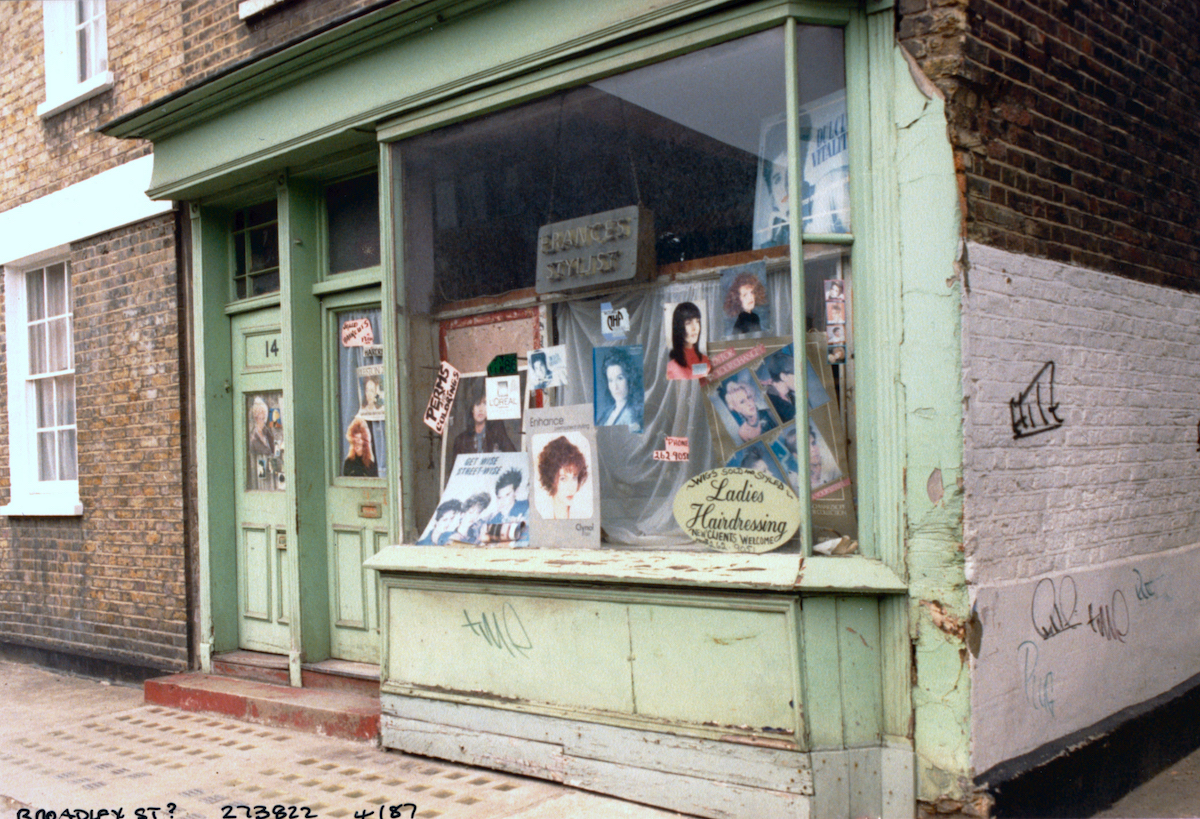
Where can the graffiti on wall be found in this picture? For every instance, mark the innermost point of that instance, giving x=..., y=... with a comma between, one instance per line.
x=1035, y=410
x=1056, y=608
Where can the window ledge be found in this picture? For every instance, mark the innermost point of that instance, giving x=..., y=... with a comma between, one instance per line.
x=766, y=572
x=253, y=8
x=43, y=506
x=76, y=94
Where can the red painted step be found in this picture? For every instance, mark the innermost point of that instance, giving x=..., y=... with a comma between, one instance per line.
x=347, y=714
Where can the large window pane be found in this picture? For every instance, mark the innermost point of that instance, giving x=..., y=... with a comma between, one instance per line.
x=682, y=138
x=702, y=363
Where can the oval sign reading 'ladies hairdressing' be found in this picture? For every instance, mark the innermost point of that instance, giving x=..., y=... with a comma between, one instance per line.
x=738, y=510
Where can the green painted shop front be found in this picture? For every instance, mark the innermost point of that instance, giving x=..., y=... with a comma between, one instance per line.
x=717, y=683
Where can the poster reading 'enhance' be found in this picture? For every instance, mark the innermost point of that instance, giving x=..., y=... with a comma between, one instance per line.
x=565, y=478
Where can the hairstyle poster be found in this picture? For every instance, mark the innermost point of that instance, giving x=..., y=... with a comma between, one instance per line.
x=264, y=441
x=619, y=393
x=744, y=302
x=485, y=503
x=771, y=213
x=370, y=392
x=828, y=459
x=564, y=478
x=760, y=459
x=469, y=431
x=685, y=325
x=742, y=409
x=547, y=368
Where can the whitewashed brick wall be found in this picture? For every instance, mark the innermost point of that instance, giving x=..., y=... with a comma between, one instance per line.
x=1082, y=544
x=1121, y=477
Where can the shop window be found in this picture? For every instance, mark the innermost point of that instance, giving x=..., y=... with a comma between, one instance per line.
x=683, y=363
x=41, y=383
x=256, y=250
x=352, y=219
x=76, y=53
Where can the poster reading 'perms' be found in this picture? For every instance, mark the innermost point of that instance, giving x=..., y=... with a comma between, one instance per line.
x=485, y=503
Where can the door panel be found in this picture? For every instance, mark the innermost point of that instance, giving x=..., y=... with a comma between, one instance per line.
x=357, y=511
x=260, y=499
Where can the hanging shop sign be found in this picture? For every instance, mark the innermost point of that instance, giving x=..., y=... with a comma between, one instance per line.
x=591, y=251
x=738, y=510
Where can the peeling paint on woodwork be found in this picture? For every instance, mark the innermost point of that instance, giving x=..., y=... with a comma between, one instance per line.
x=944, y=620
x=725, y=641
x=934, y=487
x=859, y=636
x=934, y=274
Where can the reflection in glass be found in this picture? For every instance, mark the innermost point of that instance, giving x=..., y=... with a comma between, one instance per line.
x=46, y=462
x=352, y=214
x=35, y=295
x=681, y=138
x=256, y=250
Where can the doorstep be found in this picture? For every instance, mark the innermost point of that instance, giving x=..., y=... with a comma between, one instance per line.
x=338, y=699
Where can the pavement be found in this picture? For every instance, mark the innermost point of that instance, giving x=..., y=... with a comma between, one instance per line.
x=76, y=746
x=1173, y=794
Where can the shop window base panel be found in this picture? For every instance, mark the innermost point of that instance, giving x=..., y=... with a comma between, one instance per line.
x=696, y=776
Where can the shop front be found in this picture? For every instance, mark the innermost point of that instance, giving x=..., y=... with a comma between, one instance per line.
x=508, y=324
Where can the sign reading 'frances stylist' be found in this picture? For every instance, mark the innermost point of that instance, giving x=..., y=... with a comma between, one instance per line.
x=738, y=510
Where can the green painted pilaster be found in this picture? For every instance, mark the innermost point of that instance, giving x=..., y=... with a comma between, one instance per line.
x=299, y=264
x=931, y=375
x=212, y=365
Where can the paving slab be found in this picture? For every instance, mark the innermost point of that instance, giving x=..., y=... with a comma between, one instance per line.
x=1173, y=794
x=71, y=743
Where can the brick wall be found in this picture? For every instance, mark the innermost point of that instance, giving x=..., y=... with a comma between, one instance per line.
x=1081, y=539
x=215, y=38
x=1121, y=476
x=112, y=584
x=39, y=156
x=1074, y=126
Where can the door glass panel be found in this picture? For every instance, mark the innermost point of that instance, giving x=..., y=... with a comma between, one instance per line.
x=360, y=394
x=264, y=447
x=352, y=209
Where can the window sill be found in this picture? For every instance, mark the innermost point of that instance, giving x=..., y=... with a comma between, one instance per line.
x=59, y=506
x=78, y=93
x=767, y=572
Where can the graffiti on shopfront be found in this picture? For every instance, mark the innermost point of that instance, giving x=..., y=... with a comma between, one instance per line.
x=501, y=629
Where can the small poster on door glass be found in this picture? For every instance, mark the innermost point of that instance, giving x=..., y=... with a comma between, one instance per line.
x=264, y=444
x=370, y=392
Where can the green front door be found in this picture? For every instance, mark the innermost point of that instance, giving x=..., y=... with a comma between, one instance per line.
x=259, y=482
x=357, y=512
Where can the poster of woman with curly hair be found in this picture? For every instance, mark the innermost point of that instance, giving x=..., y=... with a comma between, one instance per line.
x=745, y=301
